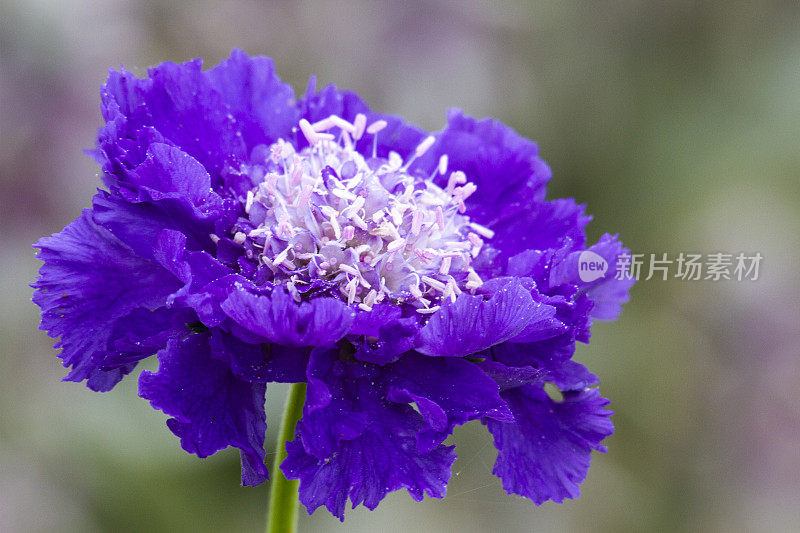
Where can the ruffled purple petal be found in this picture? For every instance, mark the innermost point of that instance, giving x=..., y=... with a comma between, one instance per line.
x=447, y=391
x=89, y=284
x=122, y=143
x=363, y=445
x=168, y=172
x=365, y=470
x=545, y=454
x=370, y=322
x=506, y=167
x=143, y=333
x=182, y=104
x=545, y=322
x=547, y=356
x=217, y=116
x=572, y=376
x=139, y=225
x=315, y=106
x=509, y=377
x=607, y=292
x=168, y=189
x=551, y=354
x=472, y=324
x=608, y=298
x=393, y=339
x=513, y=363
x=263, y=106
x=263, y=363
x=333, y=411
x=210, y=408
x=558, y=268
x=539, y=226
x=278, y=318
x=206, y=281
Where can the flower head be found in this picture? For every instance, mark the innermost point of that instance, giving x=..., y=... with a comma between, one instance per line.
x=415, y=282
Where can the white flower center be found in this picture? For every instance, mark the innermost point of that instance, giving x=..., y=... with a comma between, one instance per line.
x=366, y=226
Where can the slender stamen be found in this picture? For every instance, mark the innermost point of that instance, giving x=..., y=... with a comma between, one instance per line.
x=414, y=289
x=249, y=203
x=370, y=298
x=443, y=160
x=376, y=126
x=420, y=150
x=297, y=173
x=434, y=283
x=302, y=198
x=342, y=124
x=451, y=282
x=416, y=222
x=373, y=130
x=462, y=193
x=282, y=256
x=360, y=124
x=352, y=287
x=482, y=230
x=322, y=125
x=424, y=145
x=350, y=270
x=308, y=132
x=440, y=217
x=396, y=245
x=444, y=268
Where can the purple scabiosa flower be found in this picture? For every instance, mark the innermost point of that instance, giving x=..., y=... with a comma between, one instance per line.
x=415, y=282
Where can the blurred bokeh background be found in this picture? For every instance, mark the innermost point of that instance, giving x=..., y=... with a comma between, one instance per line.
x=677, y=123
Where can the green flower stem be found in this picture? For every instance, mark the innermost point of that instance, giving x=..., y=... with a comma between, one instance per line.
x=283, y=498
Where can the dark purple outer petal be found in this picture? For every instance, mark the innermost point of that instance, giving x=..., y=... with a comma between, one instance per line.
x=557, y=269
x=448, y=393
x=509, y=377
x=180, y=103
x=353, y=443
x=260, y=362
x=139, y=225
x=608, y=293
x=538, y=226
x=168, y=172
x=217, y=116
x=545, y=454
x=143, y=333
x=88, y=286
x=263, y=106
x=370, y=322
x=506, y=167
x=211, y=409
x=365, y=470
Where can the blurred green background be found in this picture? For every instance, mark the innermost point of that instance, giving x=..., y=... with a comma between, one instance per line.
x=677, y=123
